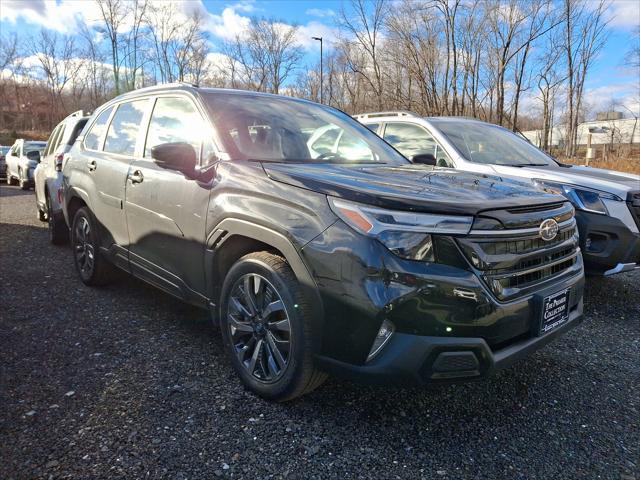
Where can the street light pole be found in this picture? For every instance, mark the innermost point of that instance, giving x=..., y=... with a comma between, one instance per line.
x=321, y=72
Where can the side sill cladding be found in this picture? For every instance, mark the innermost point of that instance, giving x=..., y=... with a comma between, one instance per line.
x=229, y=228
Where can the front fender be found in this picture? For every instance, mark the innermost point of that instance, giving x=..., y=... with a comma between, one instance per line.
x=229, y=228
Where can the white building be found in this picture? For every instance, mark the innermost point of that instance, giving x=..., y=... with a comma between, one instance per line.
x=624, y=131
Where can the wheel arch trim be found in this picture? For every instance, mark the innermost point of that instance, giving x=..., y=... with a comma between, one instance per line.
x=231, y=227
x=70, y=194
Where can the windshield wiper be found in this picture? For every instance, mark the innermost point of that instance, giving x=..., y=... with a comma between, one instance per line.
x=520, y=165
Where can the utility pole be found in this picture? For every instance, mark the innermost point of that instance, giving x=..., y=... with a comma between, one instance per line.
x=321, y=72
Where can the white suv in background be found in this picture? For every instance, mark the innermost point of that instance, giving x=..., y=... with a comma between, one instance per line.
x=607, y=202
x=48, y=175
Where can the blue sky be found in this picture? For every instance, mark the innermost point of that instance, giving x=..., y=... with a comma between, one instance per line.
x=608, y=79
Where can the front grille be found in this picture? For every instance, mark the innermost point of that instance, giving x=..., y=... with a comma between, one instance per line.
x=511, y=264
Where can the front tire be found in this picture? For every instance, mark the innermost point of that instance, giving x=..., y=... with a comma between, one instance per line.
x=267, y=329
x=90, y=263
x=10, y=180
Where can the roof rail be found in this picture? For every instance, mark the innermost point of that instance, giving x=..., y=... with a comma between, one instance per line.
x=77, y=113
x=395, y=113
x=164, y=85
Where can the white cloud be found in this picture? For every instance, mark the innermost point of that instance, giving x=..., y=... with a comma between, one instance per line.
x=316, y=29
x=62, y=17
x=625, y=13
x=228, y=24
x=614, y=96
x=318, y=12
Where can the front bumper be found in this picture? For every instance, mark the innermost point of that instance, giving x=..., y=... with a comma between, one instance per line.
x=413, y=359
x=608, y=246
x=434, y=308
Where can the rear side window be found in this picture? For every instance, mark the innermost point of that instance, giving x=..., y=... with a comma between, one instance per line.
x=94, y=136
x=76, y=131
x=174, y=120
x=123, y=131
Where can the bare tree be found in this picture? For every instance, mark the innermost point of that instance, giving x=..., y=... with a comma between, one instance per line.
x=550, y=77
x=58, y=64
x=265, y=56
x=585, y=32
x=365, y=26
x=114, y=14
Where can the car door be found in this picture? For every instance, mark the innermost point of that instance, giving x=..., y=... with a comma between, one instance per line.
x=166, y=210
x=12, y=159
x=411, y=140
x=44, y=169
x=108, y=150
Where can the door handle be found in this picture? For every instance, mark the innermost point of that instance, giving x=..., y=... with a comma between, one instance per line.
x=92, y=165
x=136, y=177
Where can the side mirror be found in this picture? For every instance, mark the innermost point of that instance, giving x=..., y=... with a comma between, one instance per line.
x=424, y=158
x=177, y=156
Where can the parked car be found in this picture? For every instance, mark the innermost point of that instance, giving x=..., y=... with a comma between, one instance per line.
x=22, y=159
x=3, y=162
x=48, y=175
x=353, y=261
x=607, y=202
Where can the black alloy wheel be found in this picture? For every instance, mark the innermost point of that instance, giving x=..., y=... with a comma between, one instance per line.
x=260, y=328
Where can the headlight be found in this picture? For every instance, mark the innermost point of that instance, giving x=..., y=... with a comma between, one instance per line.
x=406, y=234
x=582, y=198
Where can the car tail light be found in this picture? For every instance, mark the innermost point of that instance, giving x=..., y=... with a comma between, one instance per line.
x=60, y=196
x=59, y=160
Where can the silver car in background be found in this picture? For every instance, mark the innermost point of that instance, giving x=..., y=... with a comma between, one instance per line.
x=607, y=202
x=48, y=175
x=22, y=159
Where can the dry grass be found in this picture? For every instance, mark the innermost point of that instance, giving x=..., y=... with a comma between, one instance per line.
x=629, y=165
x=622, y=159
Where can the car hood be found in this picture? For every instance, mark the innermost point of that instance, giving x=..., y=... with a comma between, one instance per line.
x=411, y=187
x=618, y=183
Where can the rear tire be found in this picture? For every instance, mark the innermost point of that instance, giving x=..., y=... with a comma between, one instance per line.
x=58, y=231
x=10, y=180
x=269, y=337
x=93, y=268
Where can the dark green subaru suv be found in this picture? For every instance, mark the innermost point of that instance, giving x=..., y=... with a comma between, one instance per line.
x=316, y=246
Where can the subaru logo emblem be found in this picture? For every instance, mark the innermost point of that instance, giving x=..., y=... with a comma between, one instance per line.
x=548, y=229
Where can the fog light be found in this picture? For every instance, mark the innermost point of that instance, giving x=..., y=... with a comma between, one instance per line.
x=384, y=334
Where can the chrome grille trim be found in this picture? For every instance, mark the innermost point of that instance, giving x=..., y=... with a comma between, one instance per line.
x=518, y=232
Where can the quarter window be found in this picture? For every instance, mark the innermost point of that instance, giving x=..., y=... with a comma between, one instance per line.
x=51, y=142
x=59, y=138
x=123, y=131
x=93, y=138
x=174, y=120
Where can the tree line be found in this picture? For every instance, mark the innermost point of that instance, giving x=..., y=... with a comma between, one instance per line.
x=478, y=58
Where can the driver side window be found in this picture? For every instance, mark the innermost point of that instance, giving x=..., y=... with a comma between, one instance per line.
x=412, y=140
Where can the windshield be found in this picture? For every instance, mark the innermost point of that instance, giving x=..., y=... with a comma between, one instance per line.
x=490, y=144
x=279, y=129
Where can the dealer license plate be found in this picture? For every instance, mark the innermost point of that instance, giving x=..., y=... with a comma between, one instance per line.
x=555, y=311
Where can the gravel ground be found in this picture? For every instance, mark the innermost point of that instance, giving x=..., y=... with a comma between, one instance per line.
x=127, y=382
